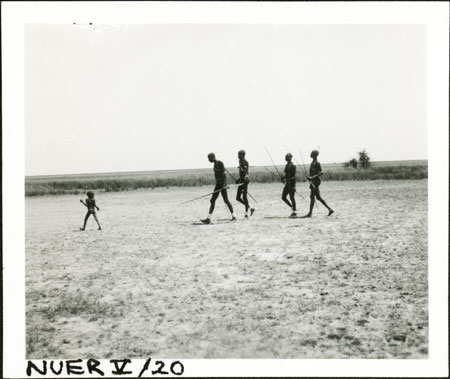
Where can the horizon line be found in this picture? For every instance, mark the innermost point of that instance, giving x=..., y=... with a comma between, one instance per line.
x=198, y=168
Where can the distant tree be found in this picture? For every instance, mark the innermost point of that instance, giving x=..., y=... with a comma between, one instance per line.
x=364, y=159
x=351, y=163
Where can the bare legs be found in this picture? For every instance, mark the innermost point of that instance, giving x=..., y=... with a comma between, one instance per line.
x=287, y=190
x=241, y=196
x=315, y=193
x=86, y=218
x=225, y=199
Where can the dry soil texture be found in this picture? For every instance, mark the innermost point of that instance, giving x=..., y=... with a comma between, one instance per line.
x=152, y=283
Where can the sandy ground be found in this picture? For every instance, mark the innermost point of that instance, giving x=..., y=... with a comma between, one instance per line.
x=353, y=285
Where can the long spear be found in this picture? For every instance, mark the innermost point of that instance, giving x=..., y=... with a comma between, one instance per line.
x=208, y=194
x=304, y=167
x=248, y=193
x=296, y=161
x=269, y=171
x=278, y=172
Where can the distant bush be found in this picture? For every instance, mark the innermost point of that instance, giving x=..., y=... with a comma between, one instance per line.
x=364, y=159
x=362, y=162
x=351, y=163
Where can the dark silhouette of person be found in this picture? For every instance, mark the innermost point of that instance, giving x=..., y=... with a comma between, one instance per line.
x=315, y=171
x=243, y=182
x=221, y=187
x=289, y=184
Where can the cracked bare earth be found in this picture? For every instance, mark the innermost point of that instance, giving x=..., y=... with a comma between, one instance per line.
x=353, y=285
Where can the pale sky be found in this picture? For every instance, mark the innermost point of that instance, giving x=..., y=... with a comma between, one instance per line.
x=104, y=98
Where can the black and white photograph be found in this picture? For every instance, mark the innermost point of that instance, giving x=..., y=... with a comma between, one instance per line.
x=229, y=187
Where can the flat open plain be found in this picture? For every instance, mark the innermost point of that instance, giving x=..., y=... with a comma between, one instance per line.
x=353, y=285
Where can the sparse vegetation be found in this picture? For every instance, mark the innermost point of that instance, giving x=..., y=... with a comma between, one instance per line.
x=79, y=184
x=363, y=161
x=353, y=163
x=86, y=306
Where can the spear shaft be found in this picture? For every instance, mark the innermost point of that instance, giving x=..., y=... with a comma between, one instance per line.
x=248, y=193
x=197, y=198
x=301, y=156
x=278, y=172
x=304, y=168
x=211, y=193
x=269, y=171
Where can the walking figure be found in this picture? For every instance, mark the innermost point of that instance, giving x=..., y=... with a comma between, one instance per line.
x=91, y=206
x=243, y=181
x=221, y=186
x=289, y=184
x=315, y=171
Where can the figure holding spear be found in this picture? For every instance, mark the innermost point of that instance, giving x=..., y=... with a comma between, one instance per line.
x=221, y=186
x=243, y=180
x=289, y=181
x=289, y=184
x=315, y=171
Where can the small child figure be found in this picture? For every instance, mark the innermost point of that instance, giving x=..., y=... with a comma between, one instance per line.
x=90, y=205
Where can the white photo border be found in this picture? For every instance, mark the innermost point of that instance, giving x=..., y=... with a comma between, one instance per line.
x=435, y=15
